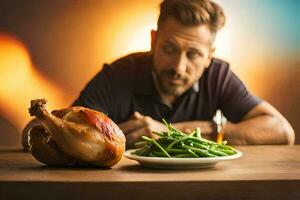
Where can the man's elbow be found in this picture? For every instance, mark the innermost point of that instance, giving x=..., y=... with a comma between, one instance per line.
x=290, y=135
x=289, y=132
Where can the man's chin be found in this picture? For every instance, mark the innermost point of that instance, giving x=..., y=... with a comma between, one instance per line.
x=173, y=90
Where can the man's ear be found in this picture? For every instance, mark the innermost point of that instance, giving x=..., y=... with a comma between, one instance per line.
x=210, y=56
x=153, y=38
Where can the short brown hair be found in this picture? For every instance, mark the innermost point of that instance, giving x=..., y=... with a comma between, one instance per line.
x=193, y=12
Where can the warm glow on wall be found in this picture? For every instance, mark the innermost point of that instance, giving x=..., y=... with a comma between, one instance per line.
x=223, y=44
x=20, y=82
x=130, y=31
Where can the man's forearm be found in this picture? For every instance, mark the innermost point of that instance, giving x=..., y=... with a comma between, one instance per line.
x=264, y=129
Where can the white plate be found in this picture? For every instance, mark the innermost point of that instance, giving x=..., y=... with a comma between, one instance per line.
x=178, y=163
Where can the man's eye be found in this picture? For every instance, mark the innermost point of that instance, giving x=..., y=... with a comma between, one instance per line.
x=193, y=55
x=169, y=49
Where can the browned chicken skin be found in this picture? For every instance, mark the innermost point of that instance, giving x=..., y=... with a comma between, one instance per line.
x=79, y=134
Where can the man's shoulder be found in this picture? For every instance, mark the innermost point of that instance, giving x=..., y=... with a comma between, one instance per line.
x=218, y=64
x=131, y=61
x=218, y=68
x=123, y=72
x=217, y=74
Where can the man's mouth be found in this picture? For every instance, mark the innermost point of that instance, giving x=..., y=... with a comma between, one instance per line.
x=175, y=81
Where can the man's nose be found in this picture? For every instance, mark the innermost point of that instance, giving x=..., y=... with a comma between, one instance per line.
x=180, y=64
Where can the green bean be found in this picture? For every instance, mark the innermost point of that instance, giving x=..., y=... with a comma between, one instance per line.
x=198, y=132
x=140, y=144
x=176, y=141
x=162, y=149
x=228, y=152
x=157, y=133
x=202, y=153
x=216, y=152
x=193, y=153
x=158, y=153
x=176, y=151
x=152, y=154
x=201, y=140
x=176, y=144
x=143, y=151
x=201, y=146
x=228, y=147
x=184, y=155
x=147, y=139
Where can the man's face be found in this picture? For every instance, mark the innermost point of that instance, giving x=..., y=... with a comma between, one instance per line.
x=180, y=55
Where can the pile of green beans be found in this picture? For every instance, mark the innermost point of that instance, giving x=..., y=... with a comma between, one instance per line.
x=176, y=144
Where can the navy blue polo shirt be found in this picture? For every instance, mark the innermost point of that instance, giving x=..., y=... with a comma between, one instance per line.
x=127, y=85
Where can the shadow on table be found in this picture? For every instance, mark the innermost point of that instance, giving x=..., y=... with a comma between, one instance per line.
x=142, y=169
x=66, y=168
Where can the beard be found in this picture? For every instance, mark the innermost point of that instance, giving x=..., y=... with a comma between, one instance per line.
x=171, y=83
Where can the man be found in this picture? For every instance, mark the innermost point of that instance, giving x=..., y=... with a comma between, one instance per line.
x=180, y=81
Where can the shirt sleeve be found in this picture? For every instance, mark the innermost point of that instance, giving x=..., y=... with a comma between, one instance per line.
x=234, y=99
x=97, y=94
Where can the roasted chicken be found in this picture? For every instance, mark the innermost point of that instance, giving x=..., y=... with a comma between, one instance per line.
x=75, y=135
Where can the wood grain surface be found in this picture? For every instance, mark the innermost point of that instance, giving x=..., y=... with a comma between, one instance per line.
x=263, y=172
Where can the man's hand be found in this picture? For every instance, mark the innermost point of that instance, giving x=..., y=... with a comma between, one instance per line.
x=139, y=125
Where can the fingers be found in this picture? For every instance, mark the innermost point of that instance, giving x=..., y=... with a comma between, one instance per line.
x=137, y=115
x=187, y=130
x=131, y=125
x=139, y=125
x=135, y=136
x=209, y=136
x=136, y=122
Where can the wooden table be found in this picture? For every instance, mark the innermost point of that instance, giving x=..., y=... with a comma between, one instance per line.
x=263, y=172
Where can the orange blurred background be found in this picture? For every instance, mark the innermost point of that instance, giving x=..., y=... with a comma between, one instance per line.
x=51, y=49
